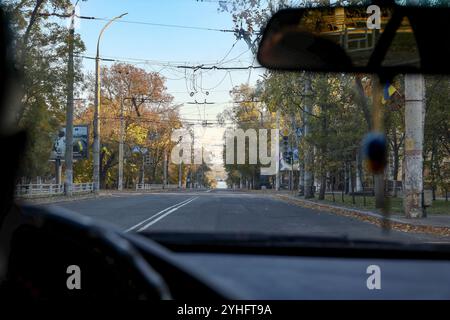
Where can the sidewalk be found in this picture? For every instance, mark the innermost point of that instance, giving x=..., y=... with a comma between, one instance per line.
x=45, y=199
x=59, y=198
x=433, y=224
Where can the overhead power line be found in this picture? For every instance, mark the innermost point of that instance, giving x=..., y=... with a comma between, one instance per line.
x=228, y=52
x=219, y=68
x=214, y=1
x=147, y=23
x=197, y=67
x=165, y=25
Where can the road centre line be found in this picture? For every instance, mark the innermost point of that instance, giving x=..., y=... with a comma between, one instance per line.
x=156, y=214
x=166, y=214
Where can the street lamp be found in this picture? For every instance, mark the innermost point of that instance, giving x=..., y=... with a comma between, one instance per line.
x=96, y=153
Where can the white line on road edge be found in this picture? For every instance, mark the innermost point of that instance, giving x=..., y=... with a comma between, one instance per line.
x=156, y=214
x=166, y=214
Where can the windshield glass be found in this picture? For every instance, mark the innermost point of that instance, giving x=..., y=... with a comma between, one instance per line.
x=173, y=126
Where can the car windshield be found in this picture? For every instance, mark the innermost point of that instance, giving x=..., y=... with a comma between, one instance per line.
x=175, y=127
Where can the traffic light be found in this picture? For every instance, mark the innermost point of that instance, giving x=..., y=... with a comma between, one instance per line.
x=285, y=148
x=148, y=160
x=290, y=157
x=285, y=143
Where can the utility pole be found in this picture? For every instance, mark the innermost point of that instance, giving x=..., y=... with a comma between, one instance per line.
x=301, y=162
x=414, y=136
x=58, y=171
x=180, y=175
x=296, y=140
x=68, y=185
x=165, y=169
x=96, y=145
x=277, y=177
x=143, y=169
x=192, y=165
x=291, y=171
x=121, y=138
x=308, y=157
x=97, y=110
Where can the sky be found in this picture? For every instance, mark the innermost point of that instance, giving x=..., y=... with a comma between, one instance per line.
x=158, y=48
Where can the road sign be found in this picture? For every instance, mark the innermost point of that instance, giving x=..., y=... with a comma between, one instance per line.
x=80, y=143
x=295, y=154
x=153, y=136
x=138, y=149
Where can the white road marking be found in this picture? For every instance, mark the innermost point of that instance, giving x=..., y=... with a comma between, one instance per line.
x=166, y=214
x=156, y=214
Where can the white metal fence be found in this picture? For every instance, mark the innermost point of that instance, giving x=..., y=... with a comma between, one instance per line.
x=146, y=186
x=83, y=187
x=27, y=190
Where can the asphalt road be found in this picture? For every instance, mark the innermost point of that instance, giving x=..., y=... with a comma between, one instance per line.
x=227, y=211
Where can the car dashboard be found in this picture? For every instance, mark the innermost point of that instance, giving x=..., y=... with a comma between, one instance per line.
x=251, y=274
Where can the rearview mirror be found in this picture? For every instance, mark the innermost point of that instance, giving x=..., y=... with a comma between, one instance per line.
x=383, y=40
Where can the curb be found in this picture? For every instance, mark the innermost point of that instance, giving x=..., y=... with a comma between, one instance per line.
x=369, y=217
x=42, y=200
x=58, y=199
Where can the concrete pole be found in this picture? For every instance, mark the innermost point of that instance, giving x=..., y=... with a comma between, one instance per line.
x=143, y=169
x=308, y=183
x=121, y=138
x=192, y=166
x=96, y=146
x=180, y=167
x=301, y=176
x=58, y=171
x=165, y=169
x=180, y=175
x=414, y=136
x=277, y=177
x=68, y=185
x=97, y=110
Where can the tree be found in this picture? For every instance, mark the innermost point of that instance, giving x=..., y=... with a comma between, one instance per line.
x=42, y=53
x=248, y=112
x=437, y=135
x=149, y=118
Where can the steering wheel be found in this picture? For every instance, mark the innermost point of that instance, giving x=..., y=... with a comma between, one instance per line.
x=58, y=255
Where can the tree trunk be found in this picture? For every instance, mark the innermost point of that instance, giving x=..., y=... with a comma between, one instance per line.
x=396, y=154
x=346, y=188
x=332, y=189
x=323, y=185
x=433, y=169
x=352, y=189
